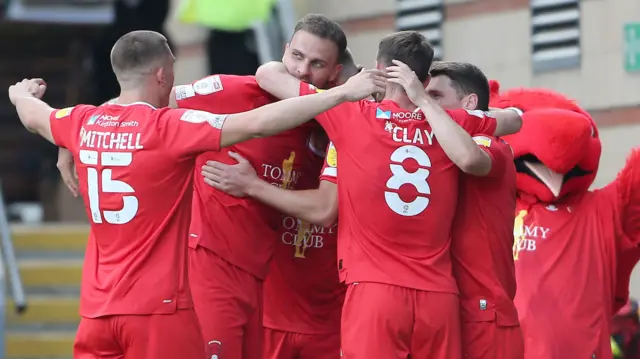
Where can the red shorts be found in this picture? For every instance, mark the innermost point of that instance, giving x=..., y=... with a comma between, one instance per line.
x=386, y=321
x=171, y=336
x=287, y=345
x=487, y=340
x=228, y=302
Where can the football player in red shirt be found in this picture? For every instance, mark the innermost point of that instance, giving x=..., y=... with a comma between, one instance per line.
x=489, y=319
x=385, y=205
x=135, y=163
x=232, y=239
x=482, y=235
x=303, y=296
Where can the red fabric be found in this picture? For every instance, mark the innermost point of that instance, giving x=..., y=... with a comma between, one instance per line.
x=287, y=345
x=384, y=152
x=228, y=302
x=134, y=164
x=302, y=293
x=241, y=230
x=574, y=252
x=486, y=340
x=174, y=335
x=482, y=240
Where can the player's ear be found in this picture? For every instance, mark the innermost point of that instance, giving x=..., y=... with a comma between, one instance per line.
x=160, y=75
x=336, y=73
x=471, y=102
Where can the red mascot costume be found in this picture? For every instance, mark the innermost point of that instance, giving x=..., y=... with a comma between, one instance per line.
x=574, y=249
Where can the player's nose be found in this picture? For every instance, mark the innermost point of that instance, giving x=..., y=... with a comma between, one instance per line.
x=304, y=70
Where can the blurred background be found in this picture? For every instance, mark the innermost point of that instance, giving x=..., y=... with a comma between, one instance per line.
x=588, y=50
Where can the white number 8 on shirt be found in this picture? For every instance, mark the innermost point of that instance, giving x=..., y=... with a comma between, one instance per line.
x=417, y=179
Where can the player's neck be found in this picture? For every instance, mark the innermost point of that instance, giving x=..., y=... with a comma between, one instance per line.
x=137, y=95
x=397, y=95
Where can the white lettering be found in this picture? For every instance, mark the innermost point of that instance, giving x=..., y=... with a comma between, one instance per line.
x=407, y=116
x=303, y=235
x=275, y=175
x=401, y=135
x=110, y=141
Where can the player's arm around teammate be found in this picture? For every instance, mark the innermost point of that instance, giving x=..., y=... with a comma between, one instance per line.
x=455, y=141
x=274, y=78
x=261, y=122
x=317, y=206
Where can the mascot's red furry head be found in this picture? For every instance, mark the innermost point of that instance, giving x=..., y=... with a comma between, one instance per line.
x=557, y=151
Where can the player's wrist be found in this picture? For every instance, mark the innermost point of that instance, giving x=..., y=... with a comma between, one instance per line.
x=254, y=187
x=339, y=93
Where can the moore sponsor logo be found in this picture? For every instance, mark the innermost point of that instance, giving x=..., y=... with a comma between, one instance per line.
x=401, y=116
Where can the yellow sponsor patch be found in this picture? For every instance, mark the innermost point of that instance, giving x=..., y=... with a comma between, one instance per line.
x=63, y=113
x=483, y=141
x=332, y=156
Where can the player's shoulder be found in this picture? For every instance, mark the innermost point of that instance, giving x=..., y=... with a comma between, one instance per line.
x=73, y=111
x=230, y=92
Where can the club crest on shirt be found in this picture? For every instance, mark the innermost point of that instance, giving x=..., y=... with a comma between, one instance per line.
x=332, y=155
x=482, y=141
x=313, y=88
x=63, y=113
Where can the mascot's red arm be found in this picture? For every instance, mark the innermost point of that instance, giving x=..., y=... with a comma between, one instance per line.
x=627, y=186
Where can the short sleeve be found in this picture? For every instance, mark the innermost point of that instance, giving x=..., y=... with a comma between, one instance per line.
x=330, y=167
x=338, y=120
x=222, y=94
x=188, y=133
x=498, y=150
x=65, y=124
x=474, y=122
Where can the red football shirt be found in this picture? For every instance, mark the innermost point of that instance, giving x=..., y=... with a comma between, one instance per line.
x=240, y=230
x=482, y=239
x=135, y=170
x=566, y=257
x=302, y=293
x=565, y=269
x=397, y=193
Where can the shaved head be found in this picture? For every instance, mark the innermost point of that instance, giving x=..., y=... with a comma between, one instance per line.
x=139, y=53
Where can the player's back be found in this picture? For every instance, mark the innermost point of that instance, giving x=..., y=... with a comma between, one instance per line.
x=135, y=168
x=398, y=192
x=482, y=239
x=240, y=230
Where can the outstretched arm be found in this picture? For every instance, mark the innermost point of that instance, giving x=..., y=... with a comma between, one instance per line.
x=317, y=206
x=283, y=115
x=274, y=78
x=34, y=113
